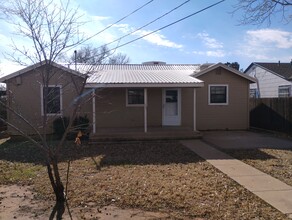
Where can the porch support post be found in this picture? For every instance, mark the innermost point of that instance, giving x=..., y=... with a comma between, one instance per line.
x=195, y=110
x=145, y=109
x=93, y=112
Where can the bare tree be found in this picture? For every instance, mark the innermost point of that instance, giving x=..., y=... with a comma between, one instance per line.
x=119, y=58
x=52, y=29
x=100, y=55
x=262, y=11
x=90, y=55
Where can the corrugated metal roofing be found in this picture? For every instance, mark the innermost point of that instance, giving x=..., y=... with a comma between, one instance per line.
x=144, y=74
x=188, y=67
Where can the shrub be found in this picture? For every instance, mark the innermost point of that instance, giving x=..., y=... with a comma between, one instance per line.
x=80, y=123
x=59, y=125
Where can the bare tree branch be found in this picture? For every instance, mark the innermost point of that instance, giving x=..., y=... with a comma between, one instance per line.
x=51, y=29
x=101, y=55
x=258, y=12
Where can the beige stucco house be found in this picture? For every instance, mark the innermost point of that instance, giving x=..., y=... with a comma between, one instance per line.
x=136, y=97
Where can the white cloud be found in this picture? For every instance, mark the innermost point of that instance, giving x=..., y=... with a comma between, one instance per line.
x=8, y=67
x=211, y=53
x=125, y=28
x=158, y=39
x=270, y=37
x=155, y=38
x=209, y=42
x=265, y=44
x=215, y=53
x=100, y=18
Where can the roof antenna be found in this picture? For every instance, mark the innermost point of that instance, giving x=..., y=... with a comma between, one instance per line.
x=279, y=63
x=75, y=58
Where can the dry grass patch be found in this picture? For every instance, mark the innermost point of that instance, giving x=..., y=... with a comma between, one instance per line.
x=275, y=162
x=162, y=177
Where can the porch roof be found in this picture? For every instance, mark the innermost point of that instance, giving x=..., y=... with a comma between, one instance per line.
x=131, y=75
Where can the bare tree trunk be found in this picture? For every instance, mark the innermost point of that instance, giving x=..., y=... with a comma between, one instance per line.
x=55, y=179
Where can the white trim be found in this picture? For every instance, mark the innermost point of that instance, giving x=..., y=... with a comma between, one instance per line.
x=284, y=87
x=145, y=110
x=178, y=107
x=93, y=113
x=195, y=110
x=134, y=105
x=143, y=85
x=61, y=100
x=227, y=94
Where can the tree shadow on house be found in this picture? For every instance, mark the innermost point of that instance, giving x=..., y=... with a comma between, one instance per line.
x=138, y=153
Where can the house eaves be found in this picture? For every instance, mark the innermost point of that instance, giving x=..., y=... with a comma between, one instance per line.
x=280, y=67
x=221, y=65
x=37, y=65
x=143, y=79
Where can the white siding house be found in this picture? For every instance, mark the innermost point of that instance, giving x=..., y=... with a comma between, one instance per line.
x=273, y=79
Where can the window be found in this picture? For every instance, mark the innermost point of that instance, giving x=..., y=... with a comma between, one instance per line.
x=54, y=99
x=218, y=94
x=284, y=91
x=135, y=96
x=253, y=93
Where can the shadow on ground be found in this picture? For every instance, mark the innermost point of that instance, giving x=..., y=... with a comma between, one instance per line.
x=140, y=153
x=249, y=154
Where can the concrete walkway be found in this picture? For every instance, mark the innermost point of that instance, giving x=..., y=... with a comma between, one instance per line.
x=270, y=189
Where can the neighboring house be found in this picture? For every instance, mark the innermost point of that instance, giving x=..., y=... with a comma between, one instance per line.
x=137, y=96
x=273, y=79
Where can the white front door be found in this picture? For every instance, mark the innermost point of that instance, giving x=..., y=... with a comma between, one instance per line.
x=171, y=104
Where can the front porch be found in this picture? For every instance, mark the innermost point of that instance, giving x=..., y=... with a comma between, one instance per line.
x=138, y=134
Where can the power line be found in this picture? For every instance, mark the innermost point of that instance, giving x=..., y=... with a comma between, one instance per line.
x=151, y=22
x=123, y=18
x=166, y=26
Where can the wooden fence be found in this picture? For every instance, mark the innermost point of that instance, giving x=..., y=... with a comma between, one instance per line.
x=271, y=114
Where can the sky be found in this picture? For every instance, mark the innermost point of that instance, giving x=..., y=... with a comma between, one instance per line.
x=211, y=36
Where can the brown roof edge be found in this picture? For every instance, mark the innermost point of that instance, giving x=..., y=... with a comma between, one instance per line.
x=212, y=67
x=34, y=66
x=283, y=70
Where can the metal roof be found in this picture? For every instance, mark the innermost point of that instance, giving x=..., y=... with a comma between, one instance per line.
x=142, y=75
x=129, y=75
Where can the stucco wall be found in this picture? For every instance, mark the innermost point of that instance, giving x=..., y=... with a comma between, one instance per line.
x=187, y=104
x=111, y=109
x=235, y=115
x=24, y=96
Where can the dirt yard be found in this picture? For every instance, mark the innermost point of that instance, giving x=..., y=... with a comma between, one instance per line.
x=275, y=162
x=138, y=181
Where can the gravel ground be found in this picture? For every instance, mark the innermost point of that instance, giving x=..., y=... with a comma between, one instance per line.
x=161, y=177
x=275, y=162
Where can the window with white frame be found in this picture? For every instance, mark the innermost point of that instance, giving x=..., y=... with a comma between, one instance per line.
x=253, y=93
x=284, y=91
x=135, y=97
x=53, y=100
x=218, y=94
